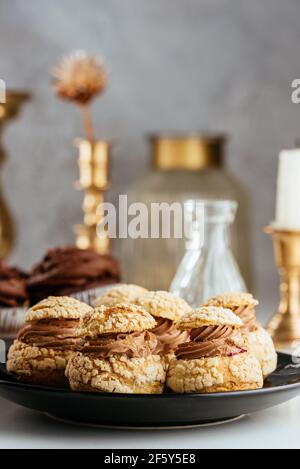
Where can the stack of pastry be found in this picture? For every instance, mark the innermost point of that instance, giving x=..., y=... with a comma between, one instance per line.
x=216, y=358
x=256, y=338
x=117, y=352
x=44, y=345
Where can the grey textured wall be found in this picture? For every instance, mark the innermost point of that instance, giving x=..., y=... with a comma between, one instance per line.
x=180, y=64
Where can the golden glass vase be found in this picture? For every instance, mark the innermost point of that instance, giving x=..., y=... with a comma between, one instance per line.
x=284, y=327
x=93, y=162
x=8, y=111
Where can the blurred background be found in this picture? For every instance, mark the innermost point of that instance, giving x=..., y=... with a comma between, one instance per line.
x=219, y=65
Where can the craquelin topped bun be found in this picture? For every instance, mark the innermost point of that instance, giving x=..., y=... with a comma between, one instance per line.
x=163, y=304
x=57, y=307
x=45, y=343
x=123, y=317
x=242, y=304
x=232, y=300
x=256, y=338
x=216, y=358
x=117, y=352
x=209, y=316
x=120, y=294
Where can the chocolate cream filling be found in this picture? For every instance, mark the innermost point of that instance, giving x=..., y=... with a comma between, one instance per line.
x=247, y=315
x=134, y=345
x=168, y=336
x=210, y=341
x=51, y=333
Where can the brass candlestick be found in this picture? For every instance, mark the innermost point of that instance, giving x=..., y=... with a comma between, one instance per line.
x=8, y=111
x=93, y=165
x=284, y=327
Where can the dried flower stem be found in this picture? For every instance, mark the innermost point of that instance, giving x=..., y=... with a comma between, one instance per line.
x=87, y=121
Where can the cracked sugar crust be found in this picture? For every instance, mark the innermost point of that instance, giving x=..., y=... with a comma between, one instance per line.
x=57, y=307
x=117, y=374
x=168, y=359
x=164, y=305
x=209, y=316
x=216, y=374
x=38, y=365
x=232, y=300
x=123, y=317
x=120, y=294
x=260, y=344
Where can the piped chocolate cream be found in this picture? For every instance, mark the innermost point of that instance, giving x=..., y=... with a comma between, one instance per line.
x=133, y=345
x=12, y=286
x=51, y=333
x=247, y=315
x=210, y=341
x=68, y=270
x=168, y=336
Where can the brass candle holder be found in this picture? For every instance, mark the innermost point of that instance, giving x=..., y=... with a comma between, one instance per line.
x=93, y=165
x=8, y=111
x=284, y=327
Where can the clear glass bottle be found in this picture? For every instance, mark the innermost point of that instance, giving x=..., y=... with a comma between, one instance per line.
x=208, y=267
x=183, y=167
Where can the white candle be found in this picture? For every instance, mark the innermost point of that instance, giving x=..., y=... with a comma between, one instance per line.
x=288, y=191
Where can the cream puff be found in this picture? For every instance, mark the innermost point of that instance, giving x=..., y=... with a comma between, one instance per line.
x=215, y=359
x=167, y=309
x=117, y=353
x=257, y=339
x=44, y=345
x=123, y=293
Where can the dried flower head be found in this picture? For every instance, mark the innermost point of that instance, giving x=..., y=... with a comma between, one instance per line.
x=79, y=77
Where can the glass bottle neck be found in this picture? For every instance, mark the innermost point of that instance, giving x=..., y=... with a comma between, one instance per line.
x=213, y=235
x=219, y=229
x=217, y=235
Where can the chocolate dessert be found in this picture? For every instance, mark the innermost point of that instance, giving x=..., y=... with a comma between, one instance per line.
x=46, y=341
x=216, y=359
x=65, y=271
x=13, y=291
x=117, y=352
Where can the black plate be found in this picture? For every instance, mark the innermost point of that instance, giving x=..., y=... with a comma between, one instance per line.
x=154, y=410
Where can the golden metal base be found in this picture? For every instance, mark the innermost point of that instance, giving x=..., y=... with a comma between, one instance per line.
x=87, y=238
x=93, y=165
x=8, y=111
x=284, y=327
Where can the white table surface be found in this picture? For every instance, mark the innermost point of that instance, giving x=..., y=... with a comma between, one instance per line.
x=278, y=427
